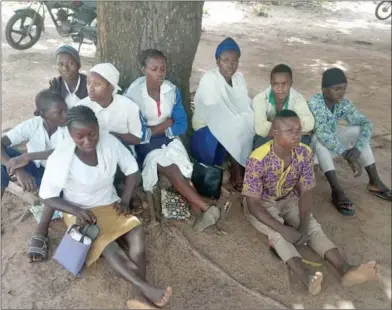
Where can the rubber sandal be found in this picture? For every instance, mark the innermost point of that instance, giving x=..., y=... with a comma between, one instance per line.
x=305, y=261
x=386, y=195
x=207, y=218
x=43, y=250
x=344, y=207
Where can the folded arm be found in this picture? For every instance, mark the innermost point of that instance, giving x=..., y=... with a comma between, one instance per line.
x=260, y=106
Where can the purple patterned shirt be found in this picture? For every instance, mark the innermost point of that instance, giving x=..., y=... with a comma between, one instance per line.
x=266, y=179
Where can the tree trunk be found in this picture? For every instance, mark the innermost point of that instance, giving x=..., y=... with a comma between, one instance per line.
x=128, y=27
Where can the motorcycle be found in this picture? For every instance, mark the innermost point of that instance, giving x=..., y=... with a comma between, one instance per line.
x=382, y=8
x=76, y=19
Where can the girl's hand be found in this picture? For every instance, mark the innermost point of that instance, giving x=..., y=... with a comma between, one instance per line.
x=26, y=180
x=85, y=216
x=16, y=163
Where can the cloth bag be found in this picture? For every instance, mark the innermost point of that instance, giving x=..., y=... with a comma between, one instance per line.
x=207, y=180
x=72, y=254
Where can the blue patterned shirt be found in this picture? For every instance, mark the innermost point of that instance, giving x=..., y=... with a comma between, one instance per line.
x=326, y=122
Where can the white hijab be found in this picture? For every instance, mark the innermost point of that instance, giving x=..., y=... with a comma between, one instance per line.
x=109, y=73
x=227, y=112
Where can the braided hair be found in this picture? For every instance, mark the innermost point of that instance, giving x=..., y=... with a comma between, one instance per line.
x=45, y=99
x=82, y=115
x=151, y=53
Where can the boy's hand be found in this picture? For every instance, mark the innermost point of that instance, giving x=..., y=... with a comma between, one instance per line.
x=352, y=154
x=304, y=237
x=291, y=234
x=26, y=180
x=16, y=163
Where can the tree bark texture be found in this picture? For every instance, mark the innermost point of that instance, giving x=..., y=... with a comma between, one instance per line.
x=126, y=28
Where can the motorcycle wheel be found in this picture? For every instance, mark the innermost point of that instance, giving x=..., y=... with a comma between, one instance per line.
x=382, y=7
x=33, y=36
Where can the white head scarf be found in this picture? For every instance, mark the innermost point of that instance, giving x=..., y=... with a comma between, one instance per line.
x=109, y=73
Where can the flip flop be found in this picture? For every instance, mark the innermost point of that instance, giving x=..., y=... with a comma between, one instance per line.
x=345, y=207
x=386, y=195
x=305, y=261
x=210, y=217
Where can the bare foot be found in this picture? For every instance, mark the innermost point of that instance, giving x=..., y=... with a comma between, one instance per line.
x=165, y=297
x=158, y=296
x=137, y=304
x=361, y=274
x=315, y=281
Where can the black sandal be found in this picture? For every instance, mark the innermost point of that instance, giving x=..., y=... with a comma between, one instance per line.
x=344, y=207
x=34, y=250
x=386, y=195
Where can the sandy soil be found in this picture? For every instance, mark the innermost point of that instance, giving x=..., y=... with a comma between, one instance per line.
x=233, y=270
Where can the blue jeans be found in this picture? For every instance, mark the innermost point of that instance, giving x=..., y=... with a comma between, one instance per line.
x=31, y=169
x=259, y=140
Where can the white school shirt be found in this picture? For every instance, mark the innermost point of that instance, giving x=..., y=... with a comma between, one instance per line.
x=38, y=140
x=137, y=91
x=121, y=116
x=72, y=99
x=86, y=185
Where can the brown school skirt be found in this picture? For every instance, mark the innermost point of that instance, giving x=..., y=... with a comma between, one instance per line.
x=111, y=227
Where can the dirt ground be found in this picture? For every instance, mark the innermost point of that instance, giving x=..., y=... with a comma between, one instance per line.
x=233, y=270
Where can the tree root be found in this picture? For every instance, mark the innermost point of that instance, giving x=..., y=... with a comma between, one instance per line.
x=175, y=232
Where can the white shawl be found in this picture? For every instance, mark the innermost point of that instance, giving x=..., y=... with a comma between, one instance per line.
x=227, y=112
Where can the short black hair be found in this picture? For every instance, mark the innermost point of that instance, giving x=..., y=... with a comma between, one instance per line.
x=151, y=53
x=282, y=68
x=286, y=114
x=81, y=114
x=45, y=99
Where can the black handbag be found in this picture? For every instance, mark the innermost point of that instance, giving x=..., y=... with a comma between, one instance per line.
x=207, y=180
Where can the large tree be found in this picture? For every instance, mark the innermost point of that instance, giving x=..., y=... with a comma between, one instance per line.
x=128, y=27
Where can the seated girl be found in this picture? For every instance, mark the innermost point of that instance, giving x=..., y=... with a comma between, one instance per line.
x=164, y=120
x=42, y=134
x=71, y=84
x=223, y=119
x=116, y=114
x=83, y=170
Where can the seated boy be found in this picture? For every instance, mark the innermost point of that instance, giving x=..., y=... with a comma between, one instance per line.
x=278, y=184
x=351, y=142
x=277, y=97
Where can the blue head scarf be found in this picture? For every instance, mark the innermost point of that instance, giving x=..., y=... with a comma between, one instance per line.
x=67, y=49
x=227, y=44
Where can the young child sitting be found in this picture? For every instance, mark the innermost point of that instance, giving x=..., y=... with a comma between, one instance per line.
x=42, y=134
x=71, y=84
x=278, y=184
x=83, y=170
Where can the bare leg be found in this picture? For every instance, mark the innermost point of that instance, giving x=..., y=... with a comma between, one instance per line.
x=350, y=274
x=131, y=272
x=42, y=229
x=237, y=173
x=134, y=241
x=311, y=281
x=182, y=185
x=339, y=198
